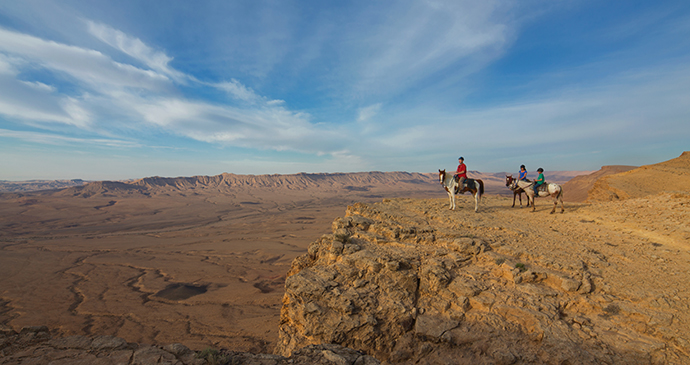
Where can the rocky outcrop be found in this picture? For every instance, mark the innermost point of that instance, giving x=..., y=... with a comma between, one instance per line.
x=406, y=285
x=35, y=345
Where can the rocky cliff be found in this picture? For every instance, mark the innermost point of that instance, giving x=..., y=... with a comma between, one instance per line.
x=409, y=282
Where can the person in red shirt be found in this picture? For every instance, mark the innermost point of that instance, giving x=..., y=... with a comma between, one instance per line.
x=461, y=172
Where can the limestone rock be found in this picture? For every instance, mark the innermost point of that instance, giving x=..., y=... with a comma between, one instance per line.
x=418, y=292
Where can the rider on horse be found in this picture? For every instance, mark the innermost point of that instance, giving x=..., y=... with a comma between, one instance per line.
x=523, y=173
x=461, y=172
x=539, y=181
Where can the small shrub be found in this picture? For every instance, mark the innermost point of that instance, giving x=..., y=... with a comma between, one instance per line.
x=213, y=356
x=612, y=309
x=500, y=261
x=342, y=237
x=520, y=266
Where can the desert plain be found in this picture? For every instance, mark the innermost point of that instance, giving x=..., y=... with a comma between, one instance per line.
x=203, y=261
x=199, y=261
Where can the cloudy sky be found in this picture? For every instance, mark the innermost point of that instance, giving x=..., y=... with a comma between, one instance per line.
x=106, y=90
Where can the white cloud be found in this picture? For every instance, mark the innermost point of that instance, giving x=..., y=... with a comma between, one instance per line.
x=368, y=112
x=415, y=41
x=112, y=91
x=39, y=85
x=270, y=127
x=54, y=139
x=86, y=67
x=238, y=91
x=642, y=106
x=135, y=48
x=33, y=103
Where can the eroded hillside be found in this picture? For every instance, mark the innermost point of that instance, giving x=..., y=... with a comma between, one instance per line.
x=672, y=175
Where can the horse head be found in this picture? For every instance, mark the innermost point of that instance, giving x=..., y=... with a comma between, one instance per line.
x=509, y=180
x=441, y=175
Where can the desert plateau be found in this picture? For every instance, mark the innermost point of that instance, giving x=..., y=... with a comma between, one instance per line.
x=352, y=268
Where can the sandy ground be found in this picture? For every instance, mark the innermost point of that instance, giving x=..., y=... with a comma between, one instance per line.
x=202, y=268
x=207, y=270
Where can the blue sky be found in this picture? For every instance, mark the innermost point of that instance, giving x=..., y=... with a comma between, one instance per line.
x=107, y=90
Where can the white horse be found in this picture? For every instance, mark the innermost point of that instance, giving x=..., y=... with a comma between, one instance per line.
x=553, y=190
x=475, y=186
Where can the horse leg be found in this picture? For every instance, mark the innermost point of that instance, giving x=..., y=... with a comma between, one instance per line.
x=451, y=198
x=560, y=199
x=476, y=201
x=531, y=200
x=555, y=203
x=514, y=193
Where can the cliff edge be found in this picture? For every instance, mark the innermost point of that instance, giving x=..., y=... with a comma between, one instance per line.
x=410, y=282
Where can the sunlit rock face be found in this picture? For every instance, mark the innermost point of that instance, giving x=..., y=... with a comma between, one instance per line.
x=410, y=282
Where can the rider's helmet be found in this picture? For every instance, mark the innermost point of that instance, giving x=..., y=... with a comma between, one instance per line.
x=461, y=158
x=522, y=167
x=540, y=170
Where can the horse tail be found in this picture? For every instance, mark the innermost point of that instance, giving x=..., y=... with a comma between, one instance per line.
x=481, y=187
x=560, y=192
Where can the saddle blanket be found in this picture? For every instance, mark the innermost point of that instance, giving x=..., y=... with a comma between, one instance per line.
x=466, y=184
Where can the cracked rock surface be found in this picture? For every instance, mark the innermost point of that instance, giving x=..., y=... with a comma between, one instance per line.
x=35, y=345
x=408, y=281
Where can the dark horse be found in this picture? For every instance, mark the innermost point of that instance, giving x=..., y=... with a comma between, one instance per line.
x=516, y=192
x=474, y=186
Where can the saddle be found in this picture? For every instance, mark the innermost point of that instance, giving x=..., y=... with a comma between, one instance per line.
x=543, y=187
x=467, y=183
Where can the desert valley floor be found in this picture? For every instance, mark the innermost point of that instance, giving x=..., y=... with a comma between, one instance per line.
x=186, y=264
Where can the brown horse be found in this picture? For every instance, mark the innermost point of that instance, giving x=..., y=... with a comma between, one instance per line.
x=474, y=186
x=516, y=192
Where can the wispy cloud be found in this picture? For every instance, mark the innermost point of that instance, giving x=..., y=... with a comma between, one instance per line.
x=60, y=140
x=107, y=90
x=415, y=41
x=619, y=113
x=135, y=48
x=347, y=85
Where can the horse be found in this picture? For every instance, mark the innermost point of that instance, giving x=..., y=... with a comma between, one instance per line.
x=475, y=186
x=553, y=190
x=516, y=192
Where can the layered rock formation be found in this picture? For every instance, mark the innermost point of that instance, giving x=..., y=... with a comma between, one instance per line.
x=672, y=176
x=409, y=282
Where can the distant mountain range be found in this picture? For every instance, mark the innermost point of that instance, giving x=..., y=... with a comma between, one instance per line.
x=355, y=181
x=36, y=185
